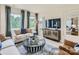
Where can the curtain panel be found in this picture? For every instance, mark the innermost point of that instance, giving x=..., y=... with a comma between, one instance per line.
x=45, y=23
x=8, y=12
x=23, y=16
x=28, y=18
x=36, y=22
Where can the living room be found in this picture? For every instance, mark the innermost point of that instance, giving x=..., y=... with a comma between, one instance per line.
x=52, y=23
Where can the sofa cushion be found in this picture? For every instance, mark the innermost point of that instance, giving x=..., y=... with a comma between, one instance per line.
x=23, y=31
x=20, y=38
x=28, y=30
x=17, y=32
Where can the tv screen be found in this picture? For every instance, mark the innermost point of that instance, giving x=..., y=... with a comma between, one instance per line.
x=54, y=23
x=50, y=23
x=57, y=23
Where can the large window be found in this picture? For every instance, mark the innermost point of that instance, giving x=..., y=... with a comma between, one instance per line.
x=32, y=23
x=41, y=25
x=15, y=21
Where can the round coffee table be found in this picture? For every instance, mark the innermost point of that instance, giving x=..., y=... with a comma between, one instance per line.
x=34, y=46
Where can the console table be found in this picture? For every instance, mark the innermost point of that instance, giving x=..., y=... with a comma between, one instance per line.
x=52, y=34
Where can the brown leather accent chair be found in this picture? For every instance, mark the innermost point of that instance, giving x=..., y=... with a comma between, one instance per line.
x=68, y=47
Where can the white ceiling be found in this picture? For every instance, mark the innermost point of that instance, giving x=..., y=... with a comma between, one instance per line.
x=47, y=9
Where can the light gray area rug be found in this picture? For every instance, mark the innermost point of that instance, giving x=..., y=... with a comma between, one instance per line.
x=47, y=50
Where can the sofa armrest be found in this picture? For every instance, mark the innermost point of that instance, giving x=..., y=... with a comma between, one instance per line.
x=8, y=42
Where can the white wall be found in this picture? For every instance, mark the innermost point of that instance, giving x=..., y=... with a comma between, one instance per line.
x=0, y=18
x=3, y=20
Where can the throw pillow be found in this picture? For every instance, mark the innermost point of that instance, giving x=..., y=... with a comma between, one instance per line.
x=28, y=30
x=2, y=37
x=23, y=31
x=17, y=32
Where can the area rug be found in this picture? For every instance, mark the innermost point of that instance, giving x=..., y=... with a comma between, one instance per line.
x=47, y=50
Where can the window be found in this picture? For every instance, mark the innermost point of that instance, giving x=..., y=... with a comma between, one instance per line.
x=32, y=23
x=15, y=21
x=41, y=25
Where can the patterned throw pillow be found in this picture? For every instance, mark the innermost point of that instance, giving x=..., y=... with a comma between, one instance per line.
x=23, y=31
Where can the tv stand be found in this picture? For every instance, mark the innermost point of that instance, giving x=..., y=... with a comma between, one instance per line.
x=52, y=34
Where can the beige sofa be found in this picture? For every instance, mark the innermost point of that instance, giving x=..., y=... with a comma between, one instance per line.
x=18, y=37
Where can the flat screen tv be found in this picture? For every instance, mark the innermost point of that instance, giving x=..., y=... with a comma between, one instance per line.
x=54, y=23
